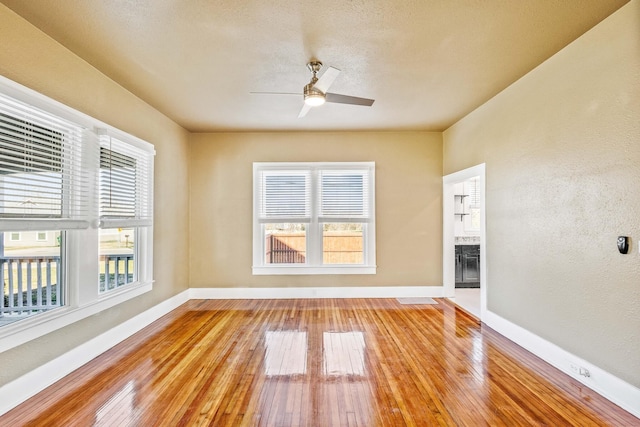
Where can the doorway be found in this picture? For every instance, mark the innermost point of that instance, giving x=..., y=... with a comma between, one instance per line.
x=464, y=239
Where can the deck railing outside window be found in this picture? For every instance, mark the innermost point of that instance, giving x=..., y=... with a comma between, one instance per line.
x=118, y=271
x=31, y=284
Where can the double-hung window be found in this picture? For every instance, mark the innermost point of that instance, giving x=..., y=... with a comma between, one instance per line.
x=314, y=218
x=125, y=207
x=45, y=164
x=75, y=215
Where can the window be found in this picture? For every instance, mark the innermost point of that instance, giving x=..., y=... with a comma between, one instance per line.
x=125, y=207
x=314, y=218
x=64, y=188
x=41, y=179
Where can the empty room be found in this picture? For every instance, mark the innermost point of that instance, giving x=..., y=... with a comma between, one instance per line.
x=338, y=213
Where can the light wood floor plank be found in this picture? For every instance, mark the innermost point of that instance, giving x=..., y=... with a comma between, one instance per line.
x=342, y=362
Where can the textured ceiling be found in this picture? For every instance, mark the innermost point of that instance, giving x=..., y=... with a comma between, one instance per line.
x=427, y=63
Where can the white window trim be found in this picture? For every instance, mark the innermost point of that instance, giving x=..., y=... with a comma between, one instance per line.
x=369, y=247
x=82, y=297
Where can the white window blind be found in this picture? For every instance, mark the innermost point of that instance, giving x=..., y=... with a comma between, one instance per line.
x=125, y=193
x=284, y=195
x=344, y=195
x=474, y=192
x=45, y=169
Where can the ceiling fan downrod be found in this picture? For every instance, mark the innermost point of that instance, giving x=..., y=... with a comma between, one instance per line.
x=314, y=67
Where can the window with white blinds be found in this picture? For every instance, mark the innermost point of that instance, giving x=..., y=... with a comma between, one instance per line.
x=125, y=193
x=61, y=181
x=314, y=218
x=125, y=207
x=45, y=165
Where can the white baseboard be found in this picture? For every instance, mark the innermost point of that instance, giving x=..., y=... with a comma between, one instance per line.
x=317, y=292
x=602, y=382
x=28, y=385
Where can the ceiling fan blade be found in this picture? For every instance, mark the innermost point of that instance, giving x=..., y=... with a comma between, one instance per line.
x=275, y=93
x=305, y=109
x=345, y=99
x=326, y=79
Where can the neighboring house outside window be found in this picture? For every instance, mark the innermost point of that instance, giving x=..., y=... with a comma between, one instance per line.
x=314, y=218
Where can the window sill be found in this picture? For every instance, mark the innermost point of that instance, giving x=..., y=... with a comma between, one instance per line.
x=306, y=270
x=38, y=325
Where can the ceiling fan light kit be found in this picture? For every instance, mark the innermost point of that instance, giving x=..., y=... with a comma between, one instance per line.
x=315, y=92
x=313, y=97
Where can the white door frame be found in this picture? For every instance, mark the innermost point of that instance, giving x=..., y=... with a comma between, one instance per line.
x=448, y=231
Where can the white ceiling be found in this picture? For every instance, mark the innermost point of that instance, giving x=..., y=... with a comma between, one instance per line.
x=427, y=63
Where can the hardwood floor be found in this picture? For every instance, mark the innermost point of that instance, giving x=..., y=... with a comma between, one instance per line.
x=346, y=362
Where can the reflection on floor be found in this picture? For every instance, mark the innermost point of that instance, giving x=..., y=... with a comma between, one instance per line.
x=469, y=300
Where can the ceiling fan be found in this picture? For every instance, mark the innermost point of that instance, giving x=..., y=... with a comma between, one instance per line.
x=315, y=93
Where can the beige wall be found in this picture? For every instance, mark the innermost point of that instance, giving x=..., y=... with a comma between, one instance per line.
x=31, y=58
x=408, y=204
x=562, y=153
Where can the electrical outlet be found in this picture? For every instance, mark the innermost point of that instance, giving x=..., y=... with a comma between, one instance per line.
x=584, y=372
x=579, y=370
